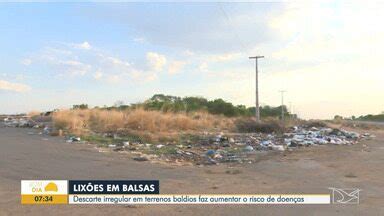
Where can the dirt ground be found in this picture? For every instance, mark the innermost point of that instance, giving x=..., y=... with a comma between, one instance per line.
x=307, y=170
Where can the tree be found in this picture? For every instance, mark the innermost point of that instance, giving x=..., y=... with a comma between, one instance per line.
x=219, y=106
x=338, y=117
x=80, y=106
x=195, y=103
x=168, y=103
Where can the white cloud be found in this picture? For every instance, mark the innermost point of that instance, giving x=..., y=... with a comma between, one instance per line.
x=156, y=61
x=98, y=75
x=224, y=57
x=139, y=40
x=188, y=53
x=48, y=51
x=26, y=61
x=206, y=60
x=175, y=66
x=20, y=77
x=151, y=77
x=203, y=67
x=74, y=68
x=116, y=61
x=326, y=31
x=114, y=78
x=16, y=87
x=66, y=61
x=85, y=45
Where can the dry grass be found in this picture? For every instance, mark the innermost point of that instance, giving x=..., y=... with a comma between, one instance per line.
x=362, y=125
x=153, y=124
x=33, y=113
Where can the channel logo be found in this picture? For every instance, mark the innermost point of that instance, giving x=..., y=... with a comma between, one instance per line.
x=44, y=192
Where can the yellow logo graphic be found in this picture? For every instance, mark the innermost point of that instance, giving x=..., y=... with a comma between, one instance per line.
x=51, y=187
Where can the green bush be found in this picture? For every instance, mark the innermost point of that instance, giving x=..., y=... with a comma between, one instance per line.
x=251, y=126
x=169, y=103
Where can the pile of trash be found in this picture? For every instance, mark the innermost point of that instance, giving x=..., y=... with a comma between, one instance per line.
x=17, y=122
x=21, y=121
x=215, y=148
x=320, y=136
x=209, y=148
x=39, y=128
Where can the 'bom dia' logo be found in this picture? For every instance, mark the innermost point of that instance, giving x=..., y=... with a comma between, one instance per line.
x=38, y=187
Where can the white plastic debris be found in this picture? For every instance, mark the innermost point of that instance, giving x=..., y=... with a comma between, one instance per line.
x=159, y=146
x=73, y=139
x=47, y=130
x=248, y=148
x=278, y=147
x=265, y=143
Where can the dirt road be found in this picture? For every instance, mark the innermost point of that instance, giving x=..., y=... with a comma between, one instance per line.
x=308, y=170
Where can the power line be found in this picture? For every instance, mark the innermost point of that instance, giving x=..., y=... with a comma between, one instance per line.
x=229, y=21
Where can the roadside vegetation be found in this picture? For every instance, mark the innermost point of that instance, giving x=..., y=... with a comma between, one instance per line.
x=369, y=117
x=174, y=104
x=378, y=118
x=164, y=118
x=148, y=124
x=367, y=122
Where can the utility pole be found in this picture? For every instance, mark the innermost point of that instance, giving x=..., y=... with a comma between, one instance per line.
x=257, y=88
x=282, y=105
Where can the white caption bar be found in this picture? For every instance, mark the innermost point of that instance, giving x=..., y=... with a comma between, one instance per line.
x=201, y=199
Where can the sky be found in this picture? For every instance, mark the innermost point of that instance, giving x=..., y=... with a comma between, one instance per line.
x=327, y=56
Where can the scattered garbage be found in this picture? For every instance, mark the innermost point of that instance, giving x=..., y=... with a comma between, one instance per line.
x=214, y=148
x=278, y=147
x=18, y=122
x=118, y=148
x=72, y=139
x=140, y=159
x=210, y=153
x=248, y=148
x=47, y=130
x=301, y=136
x=210, y=148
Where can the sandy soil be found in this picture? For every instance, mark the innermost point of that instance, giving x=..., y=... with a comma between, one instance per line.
x=307, y=170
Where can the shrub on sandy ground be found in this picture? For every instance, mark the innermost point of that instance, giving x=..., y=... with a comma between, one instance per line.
x=362, y=125
x=249, y=125
x=36, y=116
x=138, y=121
x=315, y=123
x=74, y=121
